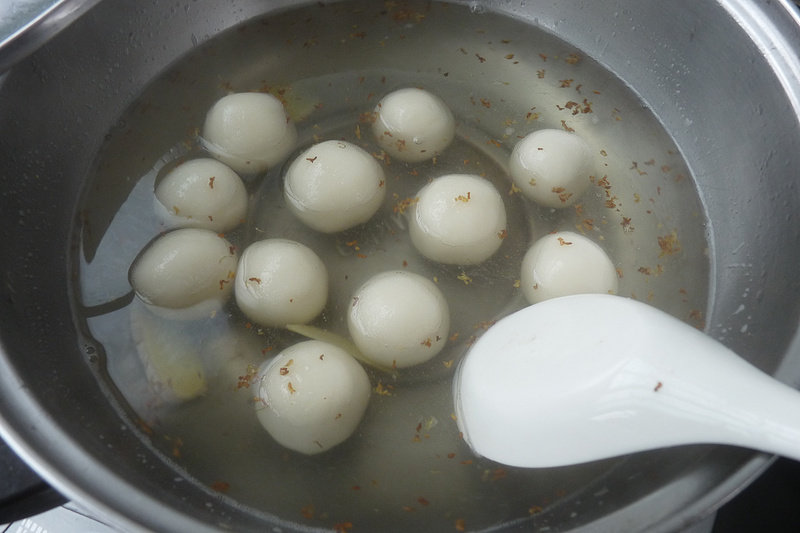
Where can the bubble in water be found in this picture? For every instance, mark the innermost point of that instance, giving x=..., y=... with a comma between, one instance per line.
x=477, y=8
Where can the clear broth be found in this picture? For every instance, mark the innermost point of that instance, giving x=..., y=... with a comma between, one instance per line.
x=406, y=467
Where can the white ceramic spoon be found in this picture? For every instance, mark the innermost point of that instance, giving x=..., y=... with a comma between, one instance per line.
x=588, y=377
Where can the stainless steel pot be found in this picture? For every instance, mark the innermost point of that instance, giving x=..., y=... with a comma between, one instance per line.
x=722, y=77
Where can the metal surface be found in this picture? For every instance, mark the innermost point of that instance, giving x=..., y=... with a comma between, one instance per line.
x=723, y=77
x=67, y=518
x=27, y=24
x=22, y=492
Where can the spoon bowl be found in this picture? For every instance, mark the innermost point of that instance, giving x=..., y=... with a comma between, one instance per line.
x=588, y=377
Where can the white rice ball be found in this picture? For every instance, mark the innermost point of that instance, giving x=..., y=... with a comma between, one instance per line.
x=249, y=132
x=281, y=282
x=311, y=396
x=399, y=319
x=551, y=167
x=184, y=268
x=333, y=186
x=564, y=263
x=413, y=125
x=458, y=219
x=202, y=193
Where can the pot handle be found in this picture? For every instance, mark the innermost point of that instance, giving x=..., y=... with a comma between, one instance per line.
x=27, y=25
x=22, y=492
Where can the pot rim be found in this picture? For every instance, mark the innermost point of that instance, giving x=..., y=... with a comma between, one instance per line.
x=31, y=34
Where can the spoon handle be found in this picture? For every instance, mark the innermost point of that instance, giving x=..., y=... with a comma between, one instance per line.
x=699, y=389
x=735, y=403
x=538, y=391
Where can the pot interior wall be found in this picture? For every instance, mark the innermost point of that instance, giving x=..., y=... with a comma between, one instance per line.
x=696, y=71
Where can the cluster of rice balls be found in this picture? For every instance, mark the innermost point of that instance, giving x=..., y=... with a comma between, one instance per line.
x=313, y=394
